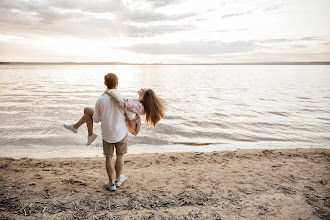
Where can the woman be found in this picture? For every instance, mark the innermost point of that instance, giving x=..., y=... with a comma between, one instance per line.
x=148, y=104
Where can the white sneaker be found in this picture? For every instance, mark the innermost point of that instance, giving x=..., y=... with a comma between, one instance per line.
x=111, y=187
x=91, y=138
x=121, y=180
x=71, y=127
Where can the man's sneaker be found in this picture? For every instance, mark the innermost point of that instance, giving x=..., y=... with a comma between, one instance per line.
x=71, y=127
x=91, y=138
x=111, y=187
x=121, y=180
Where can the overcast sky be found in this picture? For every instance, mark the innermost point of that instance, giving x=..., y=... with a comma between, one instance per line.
x=166, y=31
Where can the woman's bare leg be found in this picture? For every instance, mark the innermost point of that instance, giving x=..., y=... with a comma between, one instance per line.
x=80, y=122
x=87, y=118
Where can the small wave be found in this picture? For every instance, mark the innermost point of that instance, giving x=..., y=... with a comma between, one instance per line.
x=208, y=124
x=241, y=104
x=172, y=117
x=220, y=114
x=279, y=126
x=195, y=143
x=41, y=140
x=212, y=97
x=303, y=97
x=244, y=115
x=266, y=99
x=306, y=110
x=13, y=101
x=12, y=112
x=323, y=111
x=150, y=140
x=258, y=112
x=279, y=113
x=326, y=119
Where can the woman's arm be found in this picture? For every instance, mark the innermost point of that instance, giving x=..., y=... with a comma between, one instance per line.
x=128, y=104
x=115, y=94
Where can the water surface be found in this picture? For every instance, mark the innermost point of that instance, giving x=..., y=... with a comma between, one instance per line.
x=210, y=107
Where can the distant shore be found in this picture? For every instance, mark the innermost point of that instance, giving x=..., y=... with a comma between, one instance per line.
x=122, y=63
x=241, y=184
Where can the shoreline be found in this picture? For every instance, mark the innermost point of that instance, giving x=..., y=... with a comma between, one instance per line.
x=163, y=64
x=96, y=150
x=240, y=184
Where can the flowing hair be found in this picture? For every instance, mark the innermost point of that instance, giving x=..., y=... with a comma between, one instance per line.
x=154, y=107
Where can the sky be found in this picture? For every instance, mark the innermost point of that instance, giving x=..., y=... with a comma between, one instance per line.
x=164, y=31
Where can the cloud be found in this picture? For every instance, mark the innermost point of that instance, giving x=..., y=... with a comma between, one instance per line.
x=309, y=38
x=162, y=3
x=299, y=46
x=96, y=29
x=231, y=30
x=142, y=27
x=238, y=14
x=52, y=11
x=212, y=48
x=148, y=16
x=287, y=40
x=46, y=5
x=274, y=7
x=28, y=12
x=278, y=40
x=85, y=19
x=153, y=30
x=267, y=9
x=194, y=48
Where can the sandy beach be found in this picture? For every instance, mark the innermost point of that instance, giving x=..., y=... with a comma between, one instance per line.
x=241, y=184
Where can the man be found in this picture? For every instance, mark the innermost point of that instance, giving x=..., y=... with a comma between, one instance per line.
x=114, y=132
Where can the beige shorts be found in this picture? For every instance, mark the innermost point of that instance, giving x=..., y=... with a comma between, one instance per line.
x=121, y=147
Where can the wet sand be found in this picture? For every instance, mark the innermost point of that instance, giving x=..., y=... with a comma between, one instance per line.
x=241, y=184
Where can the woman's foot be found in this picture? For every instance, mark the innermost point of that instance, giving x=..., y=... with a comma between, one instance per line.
x=91, y=138
x=71, y=127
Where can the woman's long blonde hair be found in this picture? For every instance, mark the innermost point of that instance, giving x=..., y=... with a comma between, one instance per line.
x=154, y=107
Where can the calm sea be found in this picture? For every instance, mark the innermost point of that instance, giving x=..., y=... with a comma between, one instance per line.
x=210, y=107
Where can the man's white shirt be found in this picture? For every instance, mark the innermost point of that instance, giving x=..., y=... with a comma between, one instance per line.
x=112, y=118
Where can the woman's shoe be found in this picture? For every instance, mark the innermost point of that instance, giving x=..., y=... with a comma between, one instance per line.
x=71, y=127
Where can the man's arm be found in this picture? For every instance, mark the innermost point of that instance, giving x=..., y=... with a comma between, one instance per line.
x=97, y=113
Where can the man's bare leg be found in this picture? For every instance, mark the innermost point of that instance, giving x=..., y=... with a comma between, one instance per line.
x=119, y=166
x=109, y=164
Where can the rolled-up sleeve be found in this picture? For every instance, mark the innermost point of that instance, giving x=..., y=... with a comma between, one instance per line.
x=130, y=115
x=97, y=116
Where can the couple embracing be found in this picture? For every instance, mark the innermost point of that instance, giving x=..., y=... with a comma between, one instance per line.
x=118, y=115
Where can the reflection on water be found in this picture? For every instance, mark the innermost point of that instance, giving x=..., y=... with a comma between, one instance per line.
x=209, y=107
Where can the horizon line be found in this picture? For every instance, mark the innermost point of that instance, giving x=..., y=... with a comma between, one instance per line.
x=124, y=63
